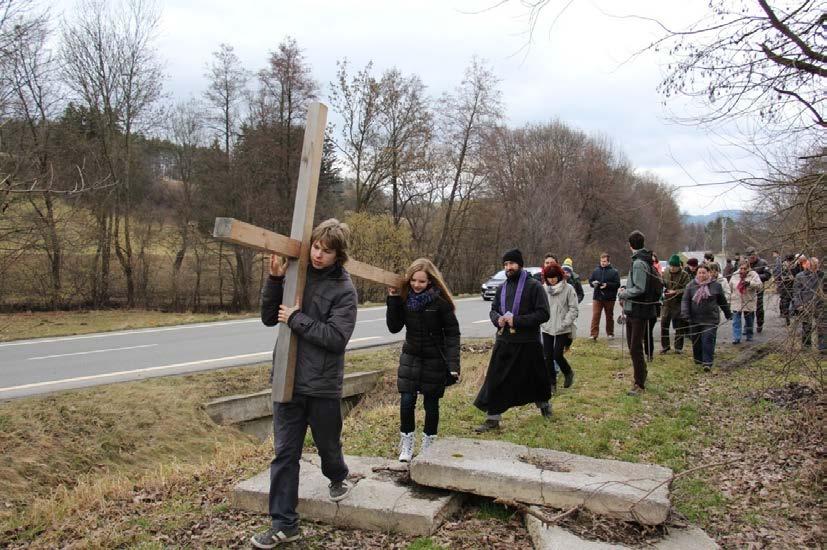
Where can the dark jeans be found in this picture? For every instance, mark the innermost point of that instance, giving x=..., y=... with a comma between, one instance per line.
x=785, y=298
x=649, y=341
x=672, y=317
x=407, y=408
x=290, y=421
x=635, y=336
x=704, y=338
x=553, y=348
x=759, y=311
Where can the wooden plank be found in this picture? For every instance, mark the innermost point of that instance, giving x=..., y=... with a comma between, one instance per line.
x=374, y=274
x=237, y=232
x=234, y=231
x=284, y=357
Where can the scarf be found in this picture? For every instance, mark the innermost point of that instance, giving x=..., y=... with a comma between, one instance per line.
x=742, y=285
x=554, y=290
x=703, y=291
x=418, y=302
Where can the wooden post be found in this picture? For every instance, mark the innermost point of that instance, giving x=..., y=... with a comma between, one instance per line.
x=284, y=357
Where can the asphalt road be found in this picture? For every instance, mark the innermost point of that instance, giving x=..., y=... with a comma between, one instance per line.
x=31, y=367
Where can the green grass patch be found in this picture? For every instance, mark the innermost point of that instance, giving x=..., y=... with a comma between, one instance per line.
x=425, y=544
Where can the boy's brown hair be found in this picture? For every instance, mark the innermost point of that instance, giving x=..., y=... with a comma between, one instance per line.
x=334, y=235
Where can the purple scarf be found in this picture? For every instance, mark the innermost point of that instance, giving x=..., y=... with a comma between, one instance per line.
x=418, y=302
x=515, y=307
x=703, y=291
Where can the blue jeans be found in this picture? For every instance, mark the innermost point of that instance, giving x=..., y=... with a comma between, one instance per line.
x=704, y=338
x=749, y=318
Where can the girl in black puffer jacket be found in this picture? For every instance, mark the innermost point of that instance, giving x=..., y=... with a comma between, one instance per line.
x=430, y=355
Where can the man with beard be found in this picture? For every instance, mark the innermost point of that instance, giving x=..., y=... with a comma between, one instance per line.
x=517, y=374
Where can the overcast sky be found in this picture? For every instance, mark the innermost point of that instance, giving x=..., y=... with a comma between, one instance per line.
x=573, y=70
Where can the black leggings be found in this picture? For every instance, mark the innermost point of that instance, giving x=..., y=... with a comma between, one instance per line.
x=407, y=413
x=553, y=347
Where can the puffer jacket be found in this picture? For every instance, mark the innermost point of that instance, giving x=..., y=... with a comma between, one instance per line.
x=323, y=327
x=748, y=300
x=708, y=312
x=431, y=339
x=610, y=277
x=563, y=310
x=721, y=280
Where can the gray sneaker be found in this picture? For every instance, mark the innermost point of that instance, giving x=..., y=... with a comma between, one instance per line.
x=487, y=426
x=339, y=490
x=272, y=537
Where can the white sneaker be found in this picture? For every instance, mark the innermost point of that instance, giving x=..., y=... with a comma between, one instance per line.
x=406, y=443
x=426, y=442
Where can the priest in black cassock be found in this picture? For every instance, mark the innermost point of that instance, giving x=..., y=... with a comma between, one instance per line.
x=517, y=374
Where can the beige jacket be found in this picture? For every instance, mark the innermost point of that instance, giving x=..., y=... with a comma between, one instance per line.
x=748, y=301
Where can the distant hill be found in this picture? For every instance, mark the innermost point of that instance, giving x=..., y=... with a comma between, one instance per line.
x=706, y=218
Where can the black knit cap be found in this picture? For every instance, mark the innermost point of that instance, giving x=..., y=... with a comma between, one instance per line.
x=514, y=255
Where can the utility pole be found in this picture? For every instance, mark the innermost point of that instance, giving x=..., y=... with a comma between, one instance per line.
x=723, y=237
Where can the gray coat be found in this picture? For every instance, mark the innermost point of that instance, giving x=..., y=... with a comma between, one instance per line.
x=807, y=296
x=323, y=327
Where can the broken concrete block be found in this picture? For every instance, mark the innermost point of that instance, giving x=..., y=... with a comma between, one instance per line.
x=499, y=469
x=382, y=499
x=554, y=537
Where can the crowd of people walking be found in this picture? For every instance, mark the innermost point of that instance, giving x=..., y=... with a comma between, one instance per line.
x=535, y=324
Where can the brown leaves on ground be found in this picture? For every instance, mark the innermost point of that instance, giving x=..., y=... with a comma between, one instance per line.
x=772, y=485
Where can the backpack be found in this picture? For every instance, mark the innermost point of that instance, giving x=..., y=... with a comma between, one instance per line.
x=654, y=289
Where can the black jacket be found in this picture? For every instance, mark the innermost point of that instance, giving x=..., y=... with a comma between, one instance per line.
x=533, y=311
x=608, y=275
x=323, y=327
x=708, y=311
x=431, y=340
x=761, y=267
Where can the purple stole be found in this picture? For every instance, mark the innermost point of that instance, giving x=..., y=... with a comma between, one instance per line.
x=515, y=307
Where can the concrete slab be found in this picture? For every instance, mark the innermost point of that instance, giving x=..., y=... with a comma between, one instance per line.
x=379, y=501
x=235, y=409
x=613, y=488
x=554, y=538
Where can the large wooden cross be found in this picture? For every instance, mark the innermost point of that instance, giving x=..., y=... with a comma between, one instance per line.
x=296, y=248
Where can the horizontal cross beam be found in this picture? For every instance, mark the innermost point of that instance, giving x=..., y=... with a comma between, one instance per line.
x=237, y=232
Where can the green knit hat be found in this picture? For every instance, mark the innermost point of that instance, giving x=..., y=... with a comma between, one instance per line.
x=675, y=260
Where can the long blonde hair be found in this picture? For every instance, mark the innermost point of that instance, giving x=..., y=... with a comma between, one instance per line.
x=434, y=276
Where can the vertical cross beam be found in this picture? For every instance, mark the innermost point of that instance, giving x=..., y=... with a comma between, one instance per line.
x=284, y=357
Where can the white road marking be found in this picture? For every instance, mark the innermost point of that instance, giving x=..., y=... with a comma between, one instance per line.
x=353, y=340
x=135, y=371
x=165, y=329
x=126, y=332
x=481, y=321
x=93, y=351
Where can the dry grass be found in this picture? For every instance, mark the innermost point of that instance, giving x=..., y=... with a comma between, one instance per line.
x=154, y=472
x=17, y=326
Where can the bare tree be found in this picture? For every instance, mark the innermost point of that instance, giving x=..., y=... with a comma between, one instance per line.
x=225, y=92
x=357, y=99
x=186, y=131
x=289, y=85
x=405, y=118
x=466, y=116
x=111, y=65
